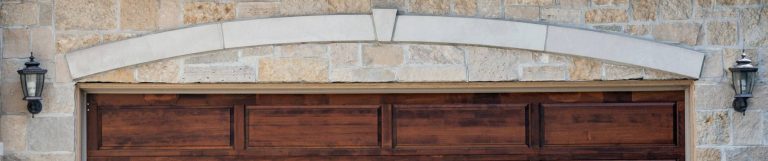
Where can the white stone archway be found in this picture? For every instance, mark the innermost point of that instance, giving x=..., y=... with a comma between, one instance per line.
x=385, y=26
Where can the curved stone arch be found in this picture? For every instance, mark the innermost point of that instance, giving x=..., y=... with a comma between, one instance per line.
x=385, y=26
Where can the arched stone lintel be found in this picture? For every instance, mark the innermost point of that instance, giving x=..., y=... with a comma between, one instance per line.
x=345, y=28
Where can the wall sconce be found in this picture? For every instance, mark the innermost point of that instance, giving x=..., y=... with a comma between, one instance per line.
x=743, y=75
x=32, y=81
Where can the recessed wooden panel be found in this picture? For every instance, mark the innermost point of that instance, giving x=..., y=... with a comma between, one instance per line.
x=156, y=127
x=609, y=123
x=460, y=125
x=313, y=126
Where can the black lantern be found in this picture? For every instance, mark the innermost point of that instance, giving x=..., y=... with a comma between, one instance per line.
x=32, y=80
x=743, y=75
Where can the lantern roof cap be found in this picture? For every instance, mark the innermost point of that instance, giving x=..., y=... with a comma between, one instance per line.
x=744, y=62
x=32, y=67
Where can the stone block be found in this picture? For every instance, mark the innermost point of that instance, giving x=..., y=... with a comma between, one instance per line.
x=544, y=73
x=490, y=8
x=303, y=50
x=713, y=65
x=9, y=68
x=705, y=3
x=52, y=134
x=56, y=156
x=574, y=4
x=15, y=43
x=430, y=7
x=218, y=73
x=606, y=16
x=258, y=9
x=708, y=154
x=59, y=98
x=584, y=69
x=529, y=13
x=760, y=100
x=465, y=7
x=531, y=2
x=14, y=131
x=221, y=56
x=400, y=5
x=362, y=75
x=116, y=37
x=345, y=55
x=746, y=153
x=493, y=64
x=122, y=75
x=737, y=2
x=141, y=15
x=42, y=44
x=382, y=55
x=550, y=59
x=85, y=15
x=569, y=16
x=715, y=96
x=328, y=28
x=721, y=33
x=676, y=9
x=349, y=6
x=251, y=55
x=45, y=14
x=644, y=10
x=720, y=13
x=19, y=14
x=293, y=70
x=610, y=2
x=685, y=33
x=435, y=54
x=205, y=12
x=754, y=26
x=486, y=32
x=712, y=127
x=638, y=30
x=453, y=73
x=621, y=72
x=166, y=71
x=303, y=7
x=69, y=42
x=169, y=14
x=747, y=128
x=609, y=28
x=62, y=70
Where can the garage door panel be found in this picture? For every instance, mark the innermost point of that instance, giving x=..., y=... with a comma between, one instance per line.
x=427, y=126
x=165, y=127
x=312, y=126
x=476, y=125
x=600, y=124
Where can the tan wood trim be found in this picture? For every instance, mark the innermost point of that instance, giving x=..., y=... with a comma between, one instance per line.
x=455, y=87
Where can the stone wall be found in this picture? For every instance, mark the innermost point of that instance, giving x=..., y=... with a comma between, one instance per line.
x=720, y=28
x=375, y=62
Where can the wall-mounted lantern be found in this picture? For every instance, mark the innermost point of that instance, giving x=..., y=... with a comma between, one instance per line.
x=32, y=81
x=743, y=75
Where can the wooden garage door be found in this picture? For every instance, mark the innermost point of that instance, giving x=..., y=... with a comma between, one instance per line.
x=487, y=126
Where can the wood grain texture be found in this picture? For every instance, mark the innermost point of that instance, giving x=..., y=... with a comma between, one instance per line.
x=312, y=126
x=619, y=125
x=460, y=125
x=165, y=127
x=588, y=124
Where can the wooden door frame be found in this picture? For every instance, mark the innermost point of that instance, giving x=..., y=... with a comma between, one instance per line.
x=82, y=89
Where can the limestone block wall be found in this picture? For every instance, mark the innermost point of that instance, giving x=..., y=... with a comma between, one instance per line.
x=375, y=62
x=52, y=28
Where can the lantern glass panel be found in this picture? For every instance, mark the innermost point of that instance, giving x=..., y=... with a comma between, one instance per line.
x=39, y=84
x=31, y=84
x=738, y=84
